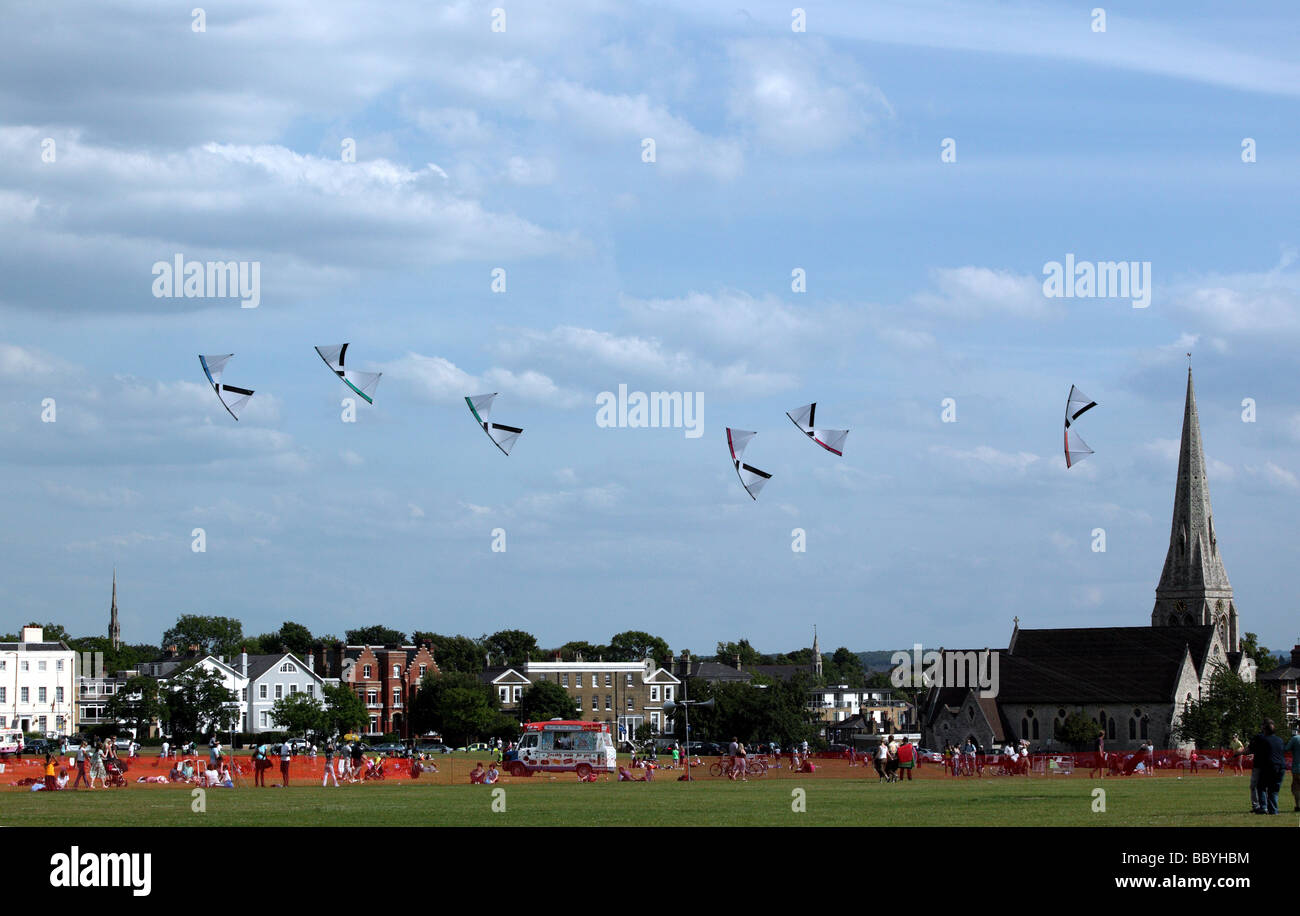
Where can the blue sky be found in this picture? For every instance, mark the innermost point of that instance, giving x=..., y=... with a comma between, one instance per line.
x=521, y=149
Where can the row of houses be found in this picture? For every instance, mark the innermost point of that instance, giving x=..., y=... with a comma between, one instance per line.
x=48, y=688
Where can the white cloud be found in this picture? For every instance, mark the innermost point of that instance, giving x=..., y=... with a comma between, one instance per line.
x=980, y=292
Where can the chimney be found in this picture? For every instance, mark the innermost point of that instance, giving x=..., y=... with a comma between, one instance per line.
x=243, y=662
x=559, y=657
x=1295, y=655
x=311, y=662
x=33, y=634
x=672, y=661
x=738, y=668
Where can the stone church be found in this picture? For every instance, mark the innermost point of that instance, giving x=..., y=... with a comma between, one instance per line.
x=1132, y=681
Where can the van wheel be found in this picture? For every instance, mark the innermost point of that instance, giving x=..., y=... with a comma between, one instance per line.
x=517, y=769
x=583, y=771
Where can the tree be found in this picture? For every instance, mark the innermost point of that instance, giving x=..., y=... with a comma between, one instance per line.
x=727, y=652
x=376, y=635
x=845, y=667
x=460, y=707
x=589, y=651
x=1078, y=731
x=213, y=635
x=453, y=653
x=1229, y=706
x=1264, y=657
x=754, y=714
x=510, y=647
x=123, y=658
x=634, y=645
x=198, y=702
x=344, y=710
x=546, y=700
x=139, y=703
x=299, y=713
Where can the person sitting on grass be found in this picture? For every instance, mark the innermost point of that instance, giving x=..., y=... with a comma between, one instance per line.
x=224, y=777
x=478, y=774
x=492, y=774
x=61, y=781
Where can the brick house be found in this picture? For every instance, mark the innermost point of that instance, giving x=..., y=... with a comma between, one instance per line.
x=1284, y=680
x=385, y=677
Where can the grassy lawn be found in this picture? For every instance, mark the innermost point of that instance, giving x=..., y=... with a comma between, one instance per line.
x=831, y=801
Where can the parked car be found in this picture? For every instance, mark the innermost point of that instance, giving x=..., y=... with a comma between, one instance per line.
x=391, y=749
x=927, y=755
x=434, y=749
x=122, y=744
x=39, y=746
x=477, y=747
x=707, y=749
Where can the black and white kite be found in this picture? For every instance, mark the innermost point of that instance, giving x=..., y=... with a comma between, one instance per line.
x=1076, y=406
x=830, y=439
x=363, y=383
x=751, y=478
x=503, y=437
x=231, y=398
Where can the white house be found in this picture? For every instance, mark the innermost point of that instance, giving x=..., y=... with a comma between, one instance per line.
x=38, y=685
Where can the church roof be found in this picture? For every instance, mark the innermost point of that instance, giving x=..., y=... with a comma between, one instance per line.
x=1099, y=664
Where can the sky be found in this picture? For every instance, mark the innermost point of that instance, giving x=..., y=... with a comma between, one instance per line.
x=917, y=164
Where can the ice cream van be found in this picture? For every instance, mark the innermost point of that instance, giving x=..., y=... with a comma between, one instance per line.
x=562, y=746
x=11, y=742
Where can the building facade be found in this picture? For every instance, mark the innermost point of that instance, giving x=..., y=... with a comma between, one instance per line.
x=38, y=684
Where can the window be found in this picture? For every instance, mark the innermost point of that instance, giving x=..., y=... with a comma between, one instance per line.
x=25, y=666
x=668, y=693
x=264, y=718
x=578, y=702
x=58, y=666
x=629, y=703
x=609, y=702
x=40, y=666
x=261, y=691
x=3, y=664
x=374, y=725
x=423, y=670
x=279, y=691
x=24, y=694
x=58, y=694
x=594, y=681
x=397, y=671
x=397, y=697
x=609, y=679
x=293, y=688
x=503, y=693
x=288, y=668
x=566, y=679
x=372, y=698
x=3, y=698
x=365, y=671
x=519, y=694
x=243, y=694
x=654, y=694
x=629, y=679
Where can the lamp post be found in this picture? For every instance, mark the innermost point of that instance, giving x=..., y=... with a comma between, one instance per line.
x=671, y=706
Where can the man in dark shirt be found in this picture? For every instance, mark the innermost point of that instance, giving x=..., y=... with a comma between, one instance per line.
x=1270, y=762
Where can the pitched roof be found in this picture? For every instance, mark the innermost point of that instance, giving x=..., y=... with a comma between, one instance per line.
x=781, y=672
x=1099, y=664
x=260, y=664
x=712, y=671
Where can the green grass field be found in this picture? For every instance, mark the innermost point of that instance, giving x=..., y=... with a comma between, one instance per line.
x=844, y=801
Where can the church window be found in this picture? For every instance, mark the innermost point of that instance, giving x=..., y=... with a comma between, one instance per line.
x=1060, y=713
x=1143, y=730
x=1110, y=728
x=1132, y=729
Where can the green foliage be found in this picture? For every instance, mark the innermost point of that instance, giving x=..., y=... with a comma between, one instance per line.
x=1078, y=731
x=376, y=635
x=213, y=635
x=546, y=700
x=197, y=703
x=299, y=714
x=1230, y=706
x=344, y=711
x=510, y=647
x=844, y=667
x=139, y=702
x=1264, y=657
x=727, y=652
x=589, y=651
x=453, y=653
x=635, y=645
x=294, y=637
x=460, y=707
x=752, y=713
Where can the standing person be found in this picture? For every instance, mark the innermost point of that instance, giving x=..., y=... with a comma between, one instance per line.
x=81, y=765
x=165, y=748
x=881, y=756
x=1099, y=759
x=51, y=781
x=260, y=765
x=286, y=754
x=1293, y=748
x=329, y=765
x=358, y=754
x=1270, y=763
x=214, y=756
x=906, y=757
x=733, y=750
x=677, y=755
x=97, y=767
x=1237, y=750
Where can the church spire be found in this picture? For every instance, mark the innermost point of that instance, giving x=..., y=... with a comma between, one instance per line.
x=816, y=653
x=1194, y=587
x=114, y=628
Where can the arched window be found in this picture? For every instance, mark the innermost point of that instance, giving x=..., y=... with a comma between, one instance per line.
x=1110, y=728
x=1132, y=729
x=397, y=671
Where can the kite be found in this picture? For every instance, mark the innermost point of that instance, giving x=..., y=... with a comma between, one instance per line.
x=830, y=439
x=1075, y=406
x=363, y=383
x=213, y=366
x=503, y=437
x=752, y=479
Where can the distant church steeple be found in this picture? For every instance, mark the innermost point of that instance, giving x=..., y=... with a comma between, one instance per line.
x=114, y=628
x=816, y=653
x=1194, y=587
